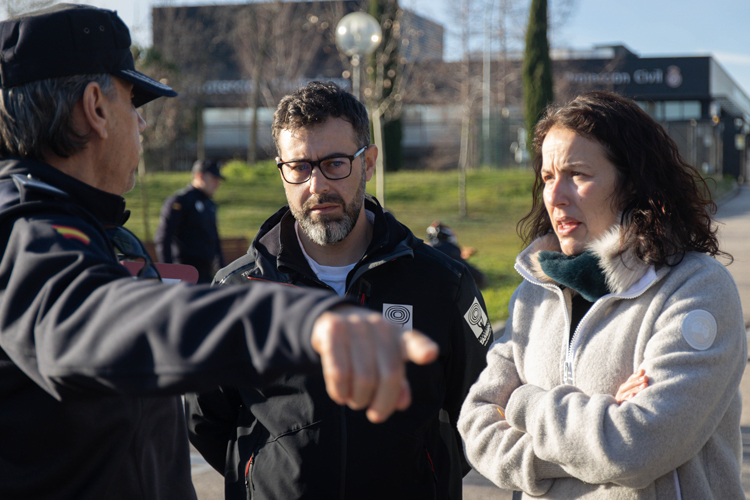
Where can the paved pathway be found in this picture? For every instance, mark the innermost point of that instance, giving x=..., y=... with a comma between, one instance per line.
x=734, y=234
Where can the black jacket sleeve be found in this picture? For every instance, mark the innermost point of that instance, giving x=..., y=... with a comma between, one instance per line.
x=169, y=220
x=471, y=337
x=218, y=252
x=73, y=320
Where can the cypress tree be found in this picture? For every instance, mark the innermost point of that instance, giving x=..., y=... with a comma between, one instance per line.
x=537, y=68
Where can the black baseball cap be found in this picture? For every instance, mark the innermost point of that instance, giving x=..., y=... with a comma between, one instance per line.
x=68, y=40
x=207, y=167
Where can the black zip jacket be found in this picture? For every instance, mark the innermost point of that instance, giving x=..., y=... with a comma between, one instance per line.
x=92, y=360
x=187, y=232
x=290, y=441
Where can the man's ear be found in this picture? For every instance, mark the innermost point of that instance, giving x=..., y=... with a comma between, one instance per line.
x=198, y=180
x=371, y=156
x=95, y=107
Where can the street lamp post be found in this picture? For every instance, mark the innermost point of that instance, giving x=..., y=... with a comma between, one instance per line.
x=358, y=35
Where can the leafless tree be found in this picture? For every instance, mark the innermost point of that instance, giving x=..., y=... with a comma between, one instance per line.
x=185, y=39
x=466, y=14
x=275, y=44
x=391, y=76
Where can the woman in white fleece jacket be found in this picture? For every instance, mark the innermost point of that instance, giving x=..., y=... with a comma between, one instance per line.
x=619, y=279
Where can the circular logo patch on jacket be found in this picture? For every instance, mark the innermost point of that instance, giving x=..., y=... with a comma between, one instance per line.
x=399, y=314
x=699, y=329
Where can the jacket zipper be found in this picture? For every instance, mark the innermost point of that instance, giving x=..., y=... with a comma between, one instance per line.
x=248, y=485
x=576, y=340
x=343, y=453
x=572, y=346
x=432, y=466
x=362, y=298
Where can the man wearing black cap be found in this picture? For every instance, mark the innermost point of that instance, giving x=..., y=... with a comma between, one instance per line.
x=187, y=231
x=91, y=360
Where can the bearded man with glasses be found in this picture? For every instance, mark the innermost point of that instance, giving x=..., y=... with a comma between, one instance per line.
x=286, y=440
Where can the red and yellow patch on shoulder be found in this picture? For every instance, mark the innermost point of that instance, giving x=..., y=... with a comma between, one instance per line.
x=72, y=233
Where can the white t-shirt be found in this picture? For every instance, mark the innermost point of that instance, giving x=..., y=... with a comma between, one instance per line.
x=333, y=276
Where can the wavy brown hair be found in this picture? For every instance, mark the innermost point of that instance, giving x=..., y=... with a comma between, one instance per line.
x=664, y=202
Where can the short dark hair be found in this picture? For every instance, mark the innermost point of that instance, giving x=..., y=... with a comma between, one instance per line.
x=665, y=202
x=316, y=102
x=36, y=119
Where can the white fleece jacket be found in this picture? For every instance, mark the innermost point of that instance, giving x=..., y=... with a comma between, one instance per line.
x=564, y=436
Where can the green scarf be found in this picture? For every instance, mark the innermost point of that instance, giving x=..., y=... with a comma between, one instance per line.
x=582, y=273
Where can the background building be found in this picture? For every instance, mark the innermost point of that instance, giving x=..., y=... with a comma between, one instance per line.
x=698, y=103
x=216, y=47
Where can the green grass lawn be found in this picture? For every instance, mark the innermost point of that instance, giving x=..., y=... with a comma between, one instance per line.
x=497, y=199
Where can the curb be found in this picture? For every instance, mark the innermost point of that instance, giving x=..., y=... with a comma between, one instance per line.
x=728, y=195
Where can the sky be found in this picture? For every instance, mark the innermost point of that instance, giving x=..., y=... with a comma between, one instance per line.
x=650, y=28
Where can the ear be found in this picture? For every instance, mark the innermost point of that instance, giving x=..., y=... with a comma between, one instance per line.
x=198, y=180
x=95, y=109
x=371, y=156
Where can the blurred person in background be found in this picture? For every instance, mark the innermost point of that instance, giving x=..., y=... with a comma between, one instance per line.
x=187, y=232
x=443, y=238
x=618, y=374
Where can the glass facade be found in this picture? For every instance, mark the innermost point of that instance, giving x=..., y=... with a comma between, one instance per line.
x=672, y=110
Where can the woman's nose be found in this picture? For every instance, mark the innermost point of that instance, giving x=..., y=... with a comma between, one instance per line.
x=555, y=192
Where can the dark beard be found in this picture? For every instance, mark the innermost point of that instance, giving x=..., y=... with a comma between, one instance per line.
x=330, y=229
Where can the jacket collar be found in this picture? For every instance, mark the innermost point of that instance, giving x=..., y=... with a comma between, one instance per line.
x=199, y=192
x=622, y=270
x=277, y=239
x=107, y=208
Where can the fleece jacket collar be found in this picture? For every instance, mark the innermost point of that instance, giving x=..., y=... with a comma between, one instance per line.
x=622, y=270
x=582, y=272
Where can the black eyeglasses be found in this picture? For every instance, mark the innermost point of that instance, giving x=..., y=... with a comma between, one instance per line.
x=334, y=168
x=129, y=247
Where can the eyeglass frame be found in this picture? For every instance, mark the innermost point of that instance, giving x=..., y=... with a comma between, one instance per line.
x=316, y=163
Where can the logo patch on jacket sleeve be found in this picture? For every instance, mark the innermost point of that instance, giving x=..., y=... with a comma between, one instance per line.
x=72, y=233
x=478, y=322
x=399, y=314
x=699, y=329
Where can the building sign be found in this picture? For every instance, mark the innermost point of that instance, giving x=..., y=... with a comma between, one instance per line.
x=241, y=87
x=672, y=77
x=610, y=78
x=651, y=78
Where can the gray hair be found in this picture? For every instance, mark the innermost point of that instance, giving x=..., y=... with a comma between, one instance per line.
x=36, y=119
